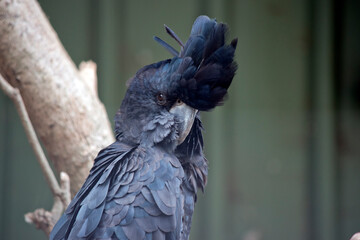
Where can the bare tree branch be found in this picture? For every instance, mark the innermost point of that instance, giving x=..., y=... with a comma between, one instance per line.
x=42, y=219
x=54, y=99
x=15, y=96
x=46, y=220
x=61, y=101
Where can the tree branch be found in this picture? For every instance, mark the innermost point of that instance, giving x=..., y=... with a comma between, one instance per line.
x=42, y=219
x=15, y=96
x=62, y=102
x=53, y=97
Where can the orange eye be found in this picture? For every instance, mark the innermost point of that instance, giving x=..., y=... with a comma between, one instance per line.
x=161, y=99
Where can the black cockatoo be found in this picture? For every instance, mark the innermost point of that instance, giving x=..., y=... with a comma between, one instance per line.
x=144, y=185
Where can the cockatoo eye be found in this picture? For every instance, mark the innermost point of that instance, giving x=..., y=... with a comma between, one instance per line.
x=178, y=102
x=161, y=99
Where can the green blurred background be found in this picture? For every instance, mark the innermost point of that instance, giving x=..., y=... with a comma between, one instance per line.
x=284, y=151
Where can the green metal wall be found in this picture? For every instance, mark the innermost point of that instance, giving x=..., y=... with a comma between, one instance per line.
x=283, y=151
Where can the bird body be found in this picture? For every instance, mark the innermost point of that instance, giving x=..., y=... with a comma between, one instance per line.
x=144, y=185
x=131, y=193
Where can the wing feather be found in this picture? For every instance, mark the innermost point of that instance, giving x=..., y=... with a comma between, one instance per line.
x=126, y=196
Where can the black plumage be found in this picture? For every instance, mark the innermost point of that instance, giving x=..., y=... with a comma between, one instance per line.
x=144, y=185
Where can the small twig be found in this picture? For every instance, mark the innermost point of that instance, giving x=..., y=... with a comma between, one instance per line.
x=65, y=187
x=87, y=72
x=46, y=220
x=41, y=218
x=15, y=95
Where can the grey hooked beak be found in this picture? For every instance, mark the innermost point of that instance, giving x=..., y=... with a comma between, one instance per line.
x=186, y=115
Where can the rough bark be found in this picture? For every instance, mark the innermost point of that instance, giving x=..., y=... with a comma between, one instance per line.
x=62, y=103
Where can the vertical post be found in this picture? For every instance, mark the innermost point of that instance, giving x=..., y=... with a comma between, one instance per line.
x=323, y=149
